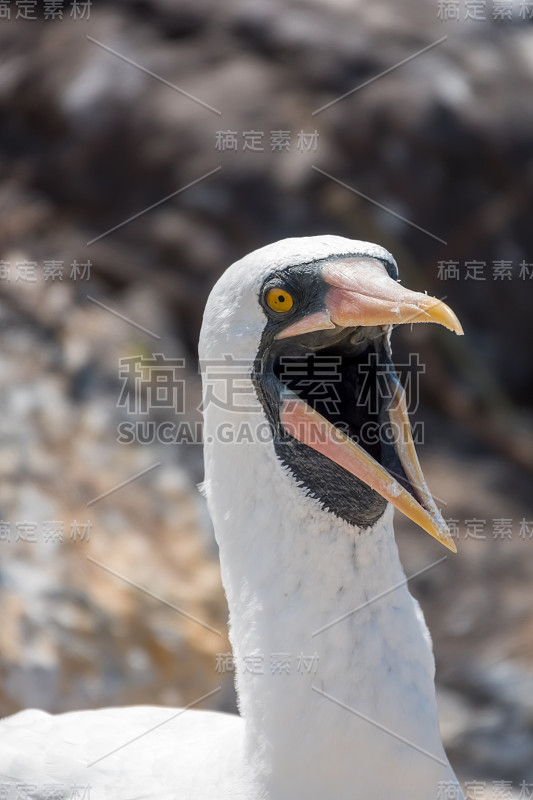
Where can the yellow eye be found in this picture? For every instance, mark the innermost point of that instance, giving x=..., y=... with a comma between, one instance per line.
x=279, y=300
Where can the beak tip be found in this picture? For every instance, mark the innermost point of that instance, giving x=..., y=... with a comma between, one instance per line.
x=439, y=312
x=457, y=327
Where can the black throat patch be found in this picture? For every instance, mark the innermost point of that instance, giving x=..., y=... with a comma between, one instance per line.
x=341, y=373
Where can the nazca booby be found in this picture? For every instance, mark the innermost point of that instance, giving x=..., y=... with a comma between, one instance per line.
x=335, y=671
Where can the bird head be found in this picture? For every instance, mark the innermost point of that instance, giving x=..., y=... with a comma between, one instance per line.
x=307, y=321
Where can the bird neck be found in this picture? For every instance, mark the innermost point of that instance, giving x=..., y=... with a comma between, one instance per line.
x=334, y=667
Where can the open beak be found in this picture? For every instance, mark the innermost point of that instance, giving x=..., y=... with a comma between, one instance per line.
x=361, y=293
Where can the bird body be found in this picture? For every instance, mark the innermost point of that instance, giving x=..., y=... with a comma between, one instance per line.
x=144, y=752
x=335, y=671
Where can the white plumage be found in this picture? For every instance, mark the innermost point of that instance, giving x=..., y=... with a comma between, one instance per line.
x=354, y=714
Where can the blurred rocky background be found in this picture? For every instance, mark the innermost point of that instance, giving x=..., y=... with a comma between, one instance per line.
x=132, y=175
